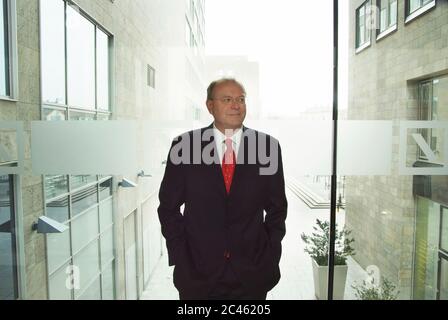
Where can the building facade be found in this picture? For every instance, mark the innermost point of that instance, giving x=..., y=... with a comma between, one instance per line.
x=398, y=70
x=89, y=61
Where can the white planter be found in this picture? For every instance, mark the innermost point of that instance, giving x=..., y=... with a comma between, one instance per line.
x=320, y=275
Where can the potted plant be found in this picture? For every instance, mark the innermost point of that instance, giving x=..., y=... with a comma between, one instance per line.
x=369, y=291
x=318, y=246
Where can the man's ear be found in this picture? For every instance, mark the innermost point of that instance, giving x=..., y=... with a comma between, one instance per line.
x=209, y=104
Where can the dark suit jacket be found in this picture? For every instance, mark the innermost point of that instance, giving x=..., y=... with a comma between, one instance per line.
x=213, y=222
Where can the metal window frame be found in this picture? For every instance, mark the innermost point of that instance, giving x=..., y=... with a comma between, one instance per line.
x=423, y=9
x=360, y=46
x=12, y=53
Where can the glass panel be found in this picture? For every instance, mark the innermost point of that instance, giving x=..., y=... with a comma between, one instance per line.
x=393, y=13
x=76, y=115
x=444, y=230
x=84, y=199
x=80, y=63
x=383, y=18
x=414, y=5
x=89, y=265
x=106, y=214
x=395, y=217
x=107, y=246
x=53, y=115
x=443, y=279
x=55, y=185
x=58, y=209
x=58, y=249
x=439, y=111
x=84, y=229
x=93, y=292
x=130, y=258
x=4, y=49
x=52, y=51
x=81, y=180
x=105, y=189
x=58, y=289
x=426, y=249
x=102, y=65
x=103, y=117
x=108, y=283
x=8, y=263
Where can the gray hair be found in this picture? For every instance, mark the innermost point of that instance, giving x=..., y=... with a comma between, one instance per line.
x=215, y=83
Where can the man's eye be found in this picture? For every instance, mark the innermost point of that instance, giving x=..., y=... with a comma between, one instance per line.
x=227, y=100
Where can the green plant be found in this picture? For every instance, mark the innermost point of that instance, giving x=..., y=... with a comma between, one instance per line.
x=368, y=291
x=318, y=244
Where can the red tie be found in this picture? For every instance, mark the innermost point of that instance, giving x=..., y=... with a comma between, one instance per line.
x=228, y=165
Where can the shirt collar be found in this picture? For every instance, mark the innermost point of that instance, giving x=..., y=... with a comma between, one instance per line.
x=219, y=136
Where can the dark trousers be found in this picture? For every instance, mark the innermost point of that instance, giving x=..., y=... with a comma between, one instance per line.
x=230, y=288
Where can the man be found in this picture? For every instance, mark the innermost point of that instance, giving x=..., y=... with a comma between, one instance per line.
x=227, y=176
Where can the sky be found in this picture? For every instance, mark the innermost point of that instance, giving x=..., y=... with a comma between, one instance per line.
x=292, y=41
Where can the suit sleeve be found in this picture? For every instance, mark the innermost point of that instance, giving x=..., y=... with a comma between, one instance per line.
x=276, y=208
x=172, y=197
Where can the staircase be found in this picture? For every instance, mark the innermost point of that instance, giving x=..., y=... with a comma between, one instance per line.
x=310, y=198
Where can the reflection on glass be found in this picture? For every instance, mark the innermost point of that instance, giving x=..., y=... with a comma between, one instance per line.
x=426, y=249
x=58, y=209
x=108, y=283
x=84, y=199
x=102, y=67
x=102, y=117
x=93, y=292
x=8, y=263
x=80, y=63
x=55, y=186
x=53, y=115
x=107, y=246
x=106, y=214
x=443, y=278
x=58, y=248
x=53, y=51
x=78, y=181
x=105, y=189
x=77, y=115
x=444, y=230
x=57, y=284
x=89, y=265
x=84, y=229
x=4, y=49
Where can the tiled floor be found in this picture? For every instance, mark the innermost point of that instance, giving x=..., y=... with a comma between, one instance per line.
x=296, y=282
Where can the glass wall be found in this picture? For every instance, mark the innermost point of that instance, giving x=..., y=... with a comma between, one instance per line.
x=75, y=87
x=396, y=219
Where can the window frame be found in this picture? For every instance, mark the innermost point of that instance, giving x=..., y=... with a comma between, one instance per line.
x=111, y=90
x=360, y=47
x=423, y=9
x=390, y=28
x=12, y=56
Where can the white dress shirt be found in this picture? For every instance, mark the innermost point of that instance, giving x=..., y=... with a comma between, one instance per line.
x=220, y=140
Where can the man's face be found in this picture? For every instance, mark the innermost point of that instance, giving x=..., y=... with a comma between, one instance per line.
x=227, y=106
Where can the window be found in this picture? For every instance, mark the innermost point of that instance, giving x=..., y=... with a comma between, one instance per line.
x=387, y=16
x=415, y=8
x=75, y=59
x=76, y=81
x=151, y=77
x=431, y=102
x=8, y=48
x=363, y=26
x=8, y=252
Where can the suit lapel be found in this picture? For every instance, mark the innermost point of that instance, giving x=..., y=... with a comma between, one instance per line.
x=214, y=168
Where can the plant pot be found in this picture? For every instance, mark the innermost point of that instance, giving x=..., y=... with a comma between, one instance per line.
x=320, y=275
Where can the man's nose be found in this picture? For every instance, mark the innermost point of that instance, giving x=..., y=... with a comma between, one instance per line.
x=235, y=105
